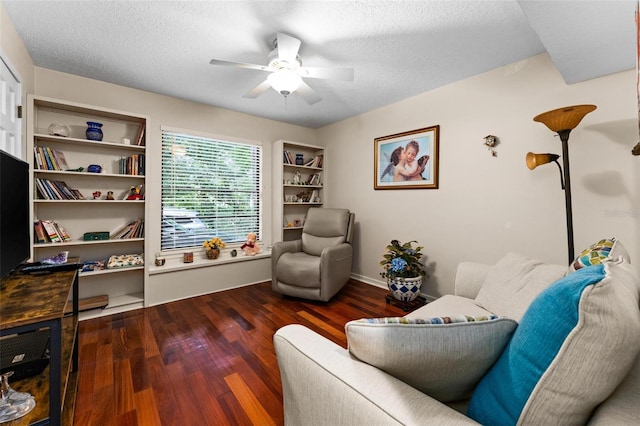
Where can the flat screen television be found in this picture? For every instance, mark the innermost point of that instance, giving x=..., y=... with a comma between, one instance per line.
x=15, y=226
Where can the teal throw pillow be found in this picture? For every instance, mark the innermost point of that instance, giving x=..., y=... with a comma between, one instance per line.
x=573, y=346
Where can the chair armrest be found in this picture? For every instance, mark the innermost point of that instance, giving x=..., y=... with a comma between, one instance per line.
x=335, y=269
x=469, y=278
x=324, y=385
x=282, y=247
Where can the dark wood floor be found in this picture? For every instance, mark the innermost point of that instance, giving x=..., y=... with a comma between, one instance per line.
x=208, y=360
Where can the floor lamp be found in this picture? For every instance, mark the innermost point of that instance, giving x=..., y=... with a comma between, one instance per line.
x=561, y=121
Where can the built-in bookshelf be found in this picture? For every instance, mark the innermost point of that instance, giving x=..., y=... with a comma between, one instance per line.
x=90, y=195
x=298, y=185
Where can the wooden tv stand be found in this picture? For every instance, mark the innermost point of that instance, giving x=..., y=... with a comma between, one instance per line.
x=32, y=302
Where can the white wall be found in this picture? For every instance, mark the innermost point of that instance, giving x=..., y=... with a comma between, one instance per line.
x=487, y=206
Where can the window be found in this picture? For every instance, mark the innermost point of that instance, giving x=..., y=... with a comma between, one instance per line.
x=210, y=188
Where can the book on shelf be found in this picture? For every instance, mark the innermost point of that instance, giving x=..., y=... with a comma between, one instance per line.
x=315, y=162
x=47, y=158
x=133, y=229
x=314, y=179
x=140, y=136
x=288, y=157
x=60, y=159
x=49, y=231
x=133, y=165
x=56, y=190
x=40, y=233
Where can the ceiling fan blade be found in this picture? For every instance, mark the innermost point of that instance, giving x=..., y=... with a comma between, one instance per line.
x=240, y=65
x=345, y=74
x=258, y=90
x=287, y=47
x=307, y=93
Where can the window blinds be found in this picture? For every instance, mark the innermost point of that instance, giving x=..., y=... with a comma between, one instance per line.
x=210, y=188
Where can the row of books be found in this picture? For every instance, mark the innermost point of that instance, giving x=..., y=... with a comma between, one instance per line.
x=49, y=159
x=48, y=231
x=56, y=190
x=134, y=229
x=314, y=179
x=289, y=158
x=133, y=165
x=315, y=162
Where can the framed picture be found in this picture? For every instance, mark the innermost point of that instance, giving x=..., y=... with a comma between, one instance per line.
x=407, y=160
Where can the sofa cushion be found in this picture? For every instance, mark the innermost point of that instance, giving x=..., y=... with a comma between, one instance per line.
x=597, y=252
x=442, y=357
x=448, y=305
x=514, y=282
x=574, y=345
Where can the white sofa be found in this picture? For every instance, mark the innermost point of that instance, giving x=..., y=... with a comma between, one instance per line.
x=325, y=384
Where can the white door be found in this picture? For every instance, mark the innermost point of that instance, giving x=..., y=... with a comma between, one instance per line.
x=10, y=100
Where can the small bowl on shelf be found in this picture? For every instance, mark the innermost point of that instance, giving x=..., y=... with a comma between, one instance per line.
x=56, y=129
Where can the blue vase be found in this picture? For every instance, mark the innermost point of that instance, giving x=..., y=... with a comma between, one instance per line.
x=94, y=131
x=299, y=160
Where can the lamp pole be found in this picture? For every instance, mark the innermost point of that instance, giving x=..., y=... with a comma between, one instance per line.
x=562, y=121
x=564, y=137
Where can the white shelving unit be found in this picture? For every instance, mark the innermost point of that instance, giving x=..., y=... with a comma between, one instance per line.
x=124, y=287
x=290, y=204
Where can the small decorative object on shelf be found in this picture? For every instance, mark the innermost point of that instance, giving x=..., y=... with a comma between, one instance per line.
x=59, y=130
x=135, y=193
x=403, y=270
x=234, y=253
x=94, y=168
x=94, y=131
x=299, y=160
x=160, y=260
x=251, y=247
x=187, y=257
x=58, y=259
x=213, y=247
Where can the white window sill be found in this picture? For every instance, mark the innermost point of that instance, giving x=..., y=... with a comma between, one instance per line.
x=175, y=262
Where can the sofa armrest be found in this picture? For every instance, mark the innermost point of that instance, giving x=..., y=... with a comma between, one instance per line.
x=323, y=385
x=469, y=278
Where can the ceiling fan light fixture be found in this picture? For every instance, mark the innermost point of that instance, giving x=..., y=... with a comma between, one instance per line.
x=284, y=81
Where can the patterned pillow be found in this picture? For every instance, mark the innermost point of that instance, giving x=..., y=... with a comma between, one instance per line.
x=594, y=255
x=574, y=345
x=125, y=261
x=442, y=357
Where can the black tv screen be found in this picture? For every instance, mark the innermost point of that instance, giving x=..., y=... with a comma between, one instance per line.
x=15, y=226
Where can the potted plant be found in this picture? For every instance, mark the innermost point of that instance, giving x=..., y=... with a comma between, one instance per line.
x=403, y=270
x=213, y=247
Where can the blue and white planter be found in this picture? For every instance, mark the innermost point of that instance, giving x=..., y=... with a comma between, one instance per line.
x=405, y=289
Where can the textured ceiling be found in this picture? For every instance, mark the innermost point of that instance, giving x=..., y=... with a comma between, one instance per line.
x=398, y=49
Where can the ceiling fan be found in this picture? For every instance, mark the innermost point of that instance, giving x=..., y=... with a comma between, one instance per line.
x=286, y=71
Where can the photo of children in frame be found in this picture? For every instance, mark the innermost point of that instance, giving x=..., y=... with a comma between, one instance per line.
x=407, y=160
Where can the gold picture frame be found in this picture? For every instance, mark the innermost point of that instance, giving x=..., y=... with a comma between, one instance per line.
x=407, y=160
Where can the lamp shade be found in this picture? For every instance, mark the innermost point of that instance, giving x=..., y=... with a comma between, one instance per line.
x=535, y=160
x=566, y=118
x=284, y=81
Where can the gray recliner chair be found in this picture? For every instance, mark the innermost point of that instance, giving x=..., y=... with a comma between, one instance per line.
x=317, y=266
